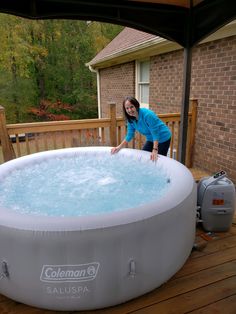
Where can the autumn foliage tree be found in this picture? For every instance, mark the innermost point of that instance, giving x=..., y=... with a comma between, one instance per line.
x=48, y=111
x=43, y=61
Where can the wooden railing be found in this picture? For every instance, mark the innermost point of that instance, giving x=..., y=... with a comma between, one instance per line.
x=27, y=138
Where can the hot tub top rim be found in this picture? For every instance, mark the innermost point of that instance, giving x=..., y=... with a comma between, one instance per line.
x=182, y=185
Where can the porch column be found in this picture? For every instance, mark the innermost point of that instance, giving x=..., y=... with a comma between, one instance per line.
x=7, y=148
x=185, y=104
x=112, y=115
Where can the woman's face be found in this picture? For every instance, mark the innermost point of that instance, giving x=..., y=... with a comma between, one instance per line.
x=130, y=109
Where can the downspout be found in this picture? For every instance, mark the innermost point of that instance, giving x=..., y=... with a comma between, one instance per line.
x=98, y=90
x=98, y=96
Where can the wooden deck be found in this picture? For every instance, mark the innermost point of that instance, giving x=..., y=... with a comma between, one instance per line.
x=199, y=173
x=206, y=284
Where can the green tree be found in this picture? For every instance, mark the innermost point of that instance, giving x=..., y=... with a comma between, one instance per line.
x=17, y=59
x=45, y=60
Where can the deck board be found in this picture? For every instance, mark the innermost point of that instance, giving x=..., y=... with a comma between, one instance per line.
x=199, y=173
x=195, y=299
x=226, y=305
x=205, y=284
x=208, y=261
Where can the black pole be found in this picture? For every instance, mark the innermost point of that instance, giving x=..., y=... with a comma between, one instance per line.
x=185, y=104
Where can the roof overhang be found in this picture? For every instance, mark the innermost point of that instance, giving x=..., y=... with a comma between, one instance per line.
x=141, y=51
x=155, y=46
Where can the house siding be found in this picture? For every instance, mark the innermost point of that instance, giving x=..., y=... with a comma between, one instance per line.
x=115, y=83
x=166, y=74
x=213, y=84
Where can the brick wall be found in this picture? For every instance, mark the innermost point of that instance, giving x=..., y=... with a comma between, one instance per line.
x=166, y=74
x=213, y=84
x=116, y=82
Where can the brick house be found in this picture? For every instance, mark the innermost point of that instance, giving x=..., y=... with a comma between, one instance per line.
x=151, y=68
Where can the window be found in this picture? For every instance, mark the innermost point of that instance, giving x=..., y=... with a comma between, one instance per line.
x=143, y=69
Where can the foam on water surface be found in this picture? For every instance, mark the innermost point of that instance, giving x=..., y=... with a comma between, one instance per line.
x=83, y=185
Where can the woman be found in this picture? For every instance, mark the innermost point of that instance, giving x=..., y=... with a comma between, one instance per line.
x=145, y=121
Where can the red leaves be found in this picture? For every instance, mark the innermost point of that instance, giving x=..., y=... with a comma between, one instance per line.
x=48, y=111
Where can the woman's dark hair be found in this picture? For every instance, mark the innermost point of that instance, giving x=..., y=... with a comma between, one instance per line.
x=134, y=102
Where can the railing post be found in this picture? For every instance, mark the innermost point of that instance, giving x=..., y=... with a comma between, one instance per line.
x=7, y=148
x=192, y=131
x=113, y=133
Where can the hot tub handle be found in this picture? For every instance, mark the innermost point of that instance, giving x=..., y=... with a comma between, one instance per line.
x=132, y=268
x=5, y=272
x=198, y=215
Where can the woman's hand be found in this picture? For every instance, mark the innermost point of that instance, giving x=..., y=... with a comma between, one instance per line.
x=154, y=155
x=115, y=150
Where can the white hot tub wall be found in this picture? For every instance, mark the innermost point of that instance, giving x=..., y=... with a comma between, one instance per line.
x=89, y=263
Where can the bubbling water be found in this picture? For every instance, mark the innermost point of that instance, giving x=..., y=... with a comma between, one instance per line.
x=79, y=185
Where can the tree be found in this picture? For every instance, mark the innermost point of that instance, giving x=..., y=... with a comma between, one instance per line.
x=44, y=60
x=15, y=62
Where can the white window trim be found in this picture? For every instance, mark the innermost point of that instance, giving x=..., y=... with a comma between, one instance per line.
x=137, y=83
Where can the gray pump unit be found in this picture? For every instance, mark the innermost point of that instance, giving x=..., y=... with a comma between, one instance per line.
x=216, y=201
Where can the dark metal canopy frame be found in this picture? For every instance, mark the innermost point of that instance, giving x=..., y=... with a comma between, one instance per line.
x=186, y=22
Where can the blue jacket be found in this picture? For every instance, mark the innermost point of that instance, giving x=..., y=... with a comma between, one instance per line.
x=150, y=126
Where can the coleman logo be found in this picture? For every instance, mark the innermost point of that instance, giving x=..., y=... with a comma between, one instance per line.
x=69, y=273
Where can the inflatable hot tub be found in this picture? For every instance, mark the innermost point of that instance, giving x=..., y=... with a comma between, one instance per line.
x=89, y=262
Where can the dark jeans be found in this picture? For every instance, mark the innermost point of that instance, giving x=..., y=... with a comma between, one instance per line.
x=162, y=147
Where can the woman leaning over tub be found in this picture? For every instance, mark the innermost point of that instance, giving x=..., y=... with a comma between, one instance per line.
x=145, y=121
